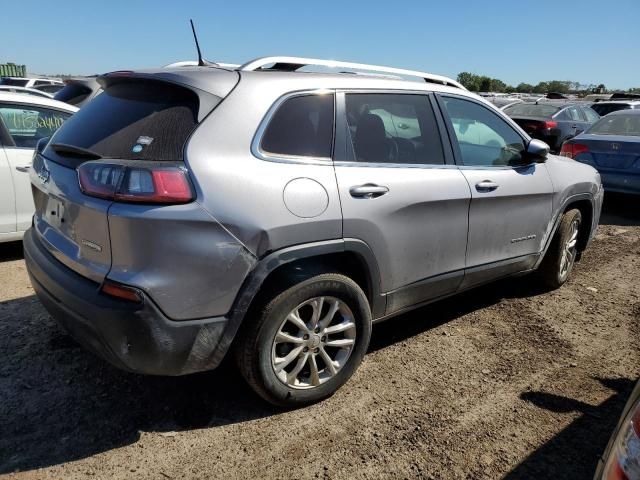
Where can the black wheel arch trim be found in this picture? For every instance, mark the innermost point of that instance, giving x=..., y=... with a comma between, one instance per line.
x=558, y=217
x=267, y=264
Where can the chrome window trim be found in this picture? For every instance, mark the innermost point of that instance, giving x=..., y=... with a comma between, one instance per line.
x=256, y=148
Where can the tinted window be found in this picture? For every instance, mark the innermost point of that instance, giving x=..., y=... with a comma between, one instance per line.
x=531, y=110
x=604, y=108
x=28, y=124
x=591, y=115
x=16, y=82
x=393, y=128
x=138, y=120
x=53, y=88
x=617, y=125
x=73, y=93
x=302, y=127
x=484, y=138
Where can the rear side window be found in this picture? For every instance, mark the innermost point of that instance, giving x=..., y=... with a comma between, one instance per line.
x=135, y=120
x=301, y=127
x=393, y=128
x=574, y=114
x=591, y=115
x=27, y=124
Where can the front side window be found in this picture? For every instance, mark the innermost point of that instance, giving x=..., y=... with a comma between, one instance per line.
x=301, y=127
x=393, y=128
x=484, y=138
x=28, y=124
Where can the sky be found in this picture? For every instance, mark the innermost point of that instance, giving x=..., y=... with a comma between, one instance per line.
x=587, y=41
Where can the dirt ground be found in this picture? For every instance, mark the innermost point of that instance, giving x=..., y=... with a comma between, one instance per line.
x=502, y=382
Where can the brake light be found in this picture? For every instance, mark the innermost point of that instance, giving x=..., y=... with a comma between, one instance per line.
x=550, y=124
x=623, y=462
x=121, y=291
x=572, y=150
x=133, y=183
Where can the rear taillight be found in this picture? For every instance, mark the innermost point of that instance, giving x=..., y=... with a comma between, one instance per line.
x=166, y=184
x=624, y=458
x=550, y=124
x=572, y=150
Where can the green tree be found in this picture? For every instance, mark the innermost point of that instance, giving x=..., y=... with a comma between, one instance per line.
x=471, y=81
x=524, y=88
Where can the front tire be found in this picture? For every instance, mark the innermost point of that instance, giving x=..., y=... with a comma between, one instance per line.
x=563, y=251
x=307, y=341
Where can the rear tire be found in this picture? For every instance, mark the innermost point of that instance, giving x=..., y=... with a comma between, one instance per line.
x=306, y=342
x=563, y=251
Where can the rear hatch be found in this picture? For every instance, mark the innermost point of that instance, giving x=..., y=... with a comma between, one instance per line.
x=141, y=118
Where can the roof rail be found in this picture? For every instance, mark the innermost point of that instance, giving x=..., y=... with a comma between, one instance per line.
x=291, y=64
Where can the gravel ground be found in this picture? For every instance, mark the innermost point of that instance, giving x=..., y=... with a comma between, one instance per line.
x=504, y=381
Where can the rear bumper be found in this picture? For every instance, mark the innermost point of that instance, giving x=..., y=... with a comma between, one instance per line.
x=133, y=337
x=621, y=182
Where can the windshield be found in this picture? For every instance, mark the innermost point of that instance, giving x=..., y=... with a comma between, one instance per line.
x=617, y=125
x=136, y=120
x=531, y=110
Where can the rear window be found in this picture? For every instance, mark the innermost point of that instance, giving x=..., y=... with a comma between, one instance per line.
x=73, y=93
x=135, y=120
x=605, y=108
x=301, y=127
x=14, y=82
x=617, y=125
x=531, y=110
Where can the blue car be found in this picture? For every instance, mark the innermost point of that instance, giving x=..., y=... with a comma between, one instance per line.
x=611, y=146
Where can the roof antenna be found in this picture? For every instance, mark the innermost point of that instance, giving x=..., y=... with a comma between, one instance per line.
x=201, y=62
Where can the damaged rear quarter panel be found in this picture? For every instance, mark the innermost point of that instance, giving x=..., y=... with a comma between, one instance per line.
x=188, y=263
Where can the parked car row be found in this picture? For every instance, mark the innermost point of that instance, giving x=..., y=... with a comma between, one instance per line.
x=24, y=120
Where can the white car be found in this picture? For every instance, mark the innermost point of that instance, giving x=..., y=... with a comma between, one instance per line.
x=29, y=82
x=24, y=119
x=25, y=90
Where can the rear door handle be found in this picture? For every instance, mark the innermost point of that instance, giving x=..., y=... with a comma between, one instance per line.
x=368, y=190
x=486, y=186
x=23, y=168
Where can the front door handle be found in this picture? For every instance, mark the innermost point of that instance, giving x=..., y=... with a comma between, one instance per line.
x=486, y=186
x=23, y=168
x=368, y=191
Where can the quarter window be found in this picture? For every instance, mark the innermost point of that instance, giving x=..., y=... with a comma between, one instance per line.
x=393, y=128
x=29, y=124
x=483, y=137
x=301, y=127
x=591, y=115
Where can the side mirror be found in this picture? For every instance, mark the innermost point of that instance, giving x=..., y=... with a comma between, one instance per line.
x=538, y=150
x=42, y=143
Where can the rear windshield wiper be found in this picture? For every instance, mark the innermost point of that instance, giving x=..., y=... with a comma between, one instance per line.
x=72, y=150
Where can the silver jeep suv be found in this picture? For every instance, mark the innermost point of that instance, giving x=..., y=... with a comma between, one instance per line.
x=277, y=213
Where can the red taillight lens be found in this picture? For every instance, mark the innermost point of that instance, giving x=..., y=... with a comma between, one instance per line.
x=572, y=150
x=119, y=182
x=120, y=291
x=550, y=124
x=624, y=462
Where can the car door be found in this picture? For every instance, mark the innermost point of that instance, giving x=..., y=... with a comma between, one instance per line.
x=511, y=197
x=401, y=193
x=7, y=199
x=26, y=125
